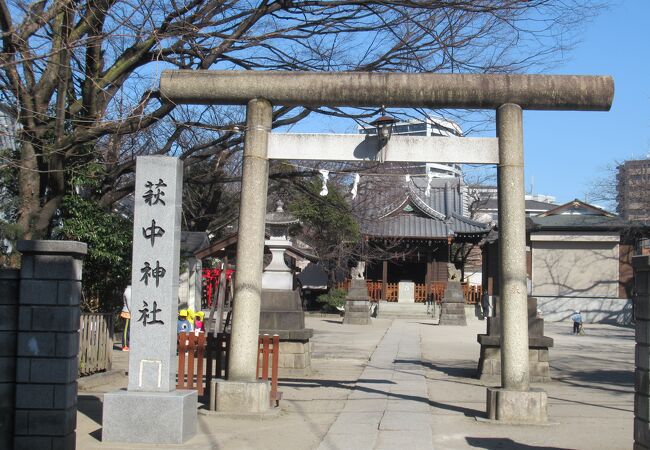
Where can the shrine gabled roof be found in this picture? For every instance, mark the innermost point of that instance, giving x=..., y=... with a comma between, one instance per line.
x=404, y=210
x=578, y=215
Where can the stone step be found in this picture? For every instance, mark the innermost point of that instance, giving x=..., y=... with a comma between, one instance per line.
x=393, y=306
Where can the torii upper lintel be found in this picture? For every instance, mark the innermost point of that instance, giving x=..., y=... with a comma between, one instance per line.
x=368, y=89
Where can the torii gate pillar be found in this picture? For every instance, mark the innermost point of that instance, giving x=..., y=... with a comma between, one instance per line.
x=514, y=402
x=243, y=392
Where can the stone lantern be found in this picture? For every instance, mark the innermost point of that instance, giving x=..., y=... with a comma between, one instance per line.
x=277, y=275
x=281, y=309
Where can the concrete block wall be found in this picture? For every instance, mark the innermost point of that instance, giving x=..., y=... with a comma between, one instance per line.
x=47, y=344
x=641, y=266
x=9, y=280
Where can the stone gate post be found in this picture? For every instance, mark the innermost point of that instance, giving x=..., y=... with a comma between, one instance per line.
x=641, y=266
x=48, y=344
x=9, y=280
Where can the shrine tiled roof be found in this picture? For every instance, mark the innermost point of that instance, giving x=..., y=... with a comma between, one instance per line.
x=402, y=209
x=578, y=215
x=578, y=222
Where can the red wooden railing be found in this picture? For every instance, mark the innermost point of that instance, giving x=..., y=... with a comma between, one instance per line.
x=436, y=289
x=269, y=347
x=193, y=348
x=472, y=293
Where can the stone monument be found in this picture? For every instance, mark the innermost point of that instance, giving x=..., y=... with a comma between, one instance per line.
x=357, y=305
x=281, y=309
x=452, y=308
x=406, y=292
x=489, y=364
x=151, y=410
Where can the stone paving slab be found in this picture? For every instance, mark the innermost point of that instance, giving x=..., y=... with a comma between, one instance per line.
x=391, y=440
x=357, y=441
x=590, y=397
x=402, y=415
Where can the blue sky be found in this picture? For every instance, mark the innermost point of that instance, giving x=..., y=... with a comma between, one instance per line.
x=566, y=151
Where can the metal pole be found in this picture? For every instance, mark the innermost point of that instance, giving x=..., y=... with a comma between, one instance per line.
x=250, y=251
x=512, y=250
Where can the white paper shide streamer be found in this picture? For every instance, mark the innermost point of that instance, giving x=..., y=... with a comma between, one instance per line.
x=355, y=186
x=427, y=191
x=326, y=175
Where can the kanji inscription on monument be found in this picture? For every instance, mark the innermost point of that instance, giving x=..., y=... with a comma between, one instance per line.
x=156, y=250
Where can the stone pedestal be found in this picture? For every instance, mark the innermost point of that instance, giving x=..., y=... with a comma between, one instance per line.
x=489, y=365
x=149, y=417
x=517, y=407
x=241, y=397
x=357, y=305
x=281, y=313
x=452, y=308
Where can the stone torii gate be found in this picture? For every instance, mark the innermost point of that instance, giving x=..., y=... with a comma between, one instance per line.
x=509, y=95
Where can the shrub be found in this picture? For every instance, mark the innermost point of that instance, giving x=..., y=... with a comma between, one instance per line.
x=335, y=298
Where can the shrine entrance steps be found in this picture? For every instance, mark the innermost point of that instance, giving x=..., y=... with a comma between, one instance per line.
x=395, y=310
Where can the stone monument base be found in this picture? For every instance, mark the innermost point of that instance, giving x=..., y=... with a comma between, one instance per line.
x=149, y=417
x=510, y=406
x=357, y=312
x=282, y=314
x=295, y=358
x=489, y=364
x=357, y=306
x=241, y=397
x=452, y=308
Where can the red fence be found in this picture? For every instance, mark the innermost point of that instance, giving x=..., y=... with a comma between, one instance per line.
x=437, y=291
x=269, y=347
x=192, y=349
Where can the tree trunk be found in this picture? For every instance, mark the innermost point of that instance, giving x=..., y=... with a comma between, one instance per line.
x=29, y=188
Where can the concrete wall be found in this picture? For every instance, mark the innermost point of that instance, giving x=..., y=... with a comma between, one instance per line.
x=575, y=265
x=605, y=310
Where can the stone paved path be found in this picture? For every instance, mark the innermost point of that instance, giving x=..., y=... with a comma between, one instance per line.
x=388, y=407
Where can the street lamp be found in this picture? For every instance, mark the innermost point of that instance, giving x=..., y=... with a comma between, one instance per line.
x=384, y=125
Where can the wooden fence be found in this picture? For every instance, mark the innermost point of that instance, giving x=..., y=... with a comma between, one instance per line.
x=437, y=291
x=192, y=349
x=95, y=343
x=269, y=347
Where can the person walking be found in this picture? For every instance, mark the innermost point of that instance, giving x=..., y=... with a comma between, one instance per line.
x=577, y=322
x=126, y=315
